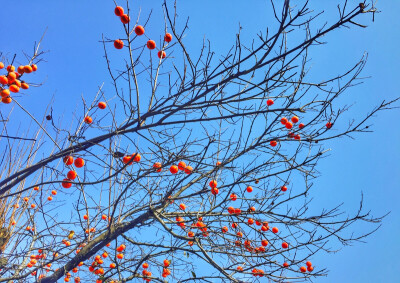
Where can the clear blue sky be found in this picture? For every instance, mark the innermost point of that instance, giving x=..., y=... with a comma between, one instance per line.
x=368, y=164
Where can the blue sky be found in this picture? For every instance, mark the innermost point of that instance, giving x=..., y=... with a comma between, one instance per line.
x=368, y=164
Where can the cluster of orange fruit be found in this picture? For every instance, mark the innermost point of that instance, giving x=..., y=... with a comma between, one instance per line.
x=139, y=30
x=11, y=82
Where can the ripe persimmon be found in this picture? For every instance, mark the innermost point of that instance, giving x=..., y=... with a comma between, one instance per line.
x=88, y=120
x=5, y=93
x=119, y=11
x=250, y=221
x=301, y=126
x=188, y=169
x=285, y=245
x=118, y=44
x=112, y=265
x=214, y=191
x=35, y=188
x=233, y=197
x=283, y=188
x=329, y=125
x=285, y=264
x=310, y=268
x=182, y=206
x=79, y=162
x=168, y=37
x=264, y=243
x=295, y=119
x=33, y=205
x=297, y=137
x=1, y=65
x=303, y=269
x=224, y=229
x=151, y=44
x=270, y=102
x=66, y=183
x=14, y=88
x=166, y=262
x=125, y=19
x=137, y=157
x=3, y=80
x=71, y=175
x=102, y=105
x=53, y=192
x=173, y=169
x=161, y=54
x=273, y=143
x=10, y=68
x=49, y=198
x=275, y=230
x=28, y=69
x=181, y=165
x=249, y=189
x=24, y=85
x=158, y=166
x=85, y=217
x=34, y=67
x=289, y=125
x=218, y=163
x=20, y=69
x=139, y=30
x=284, y=121
x=145, y=265
x=104, y=217
x=68, y=160
x=213, y=183
x=127, y=159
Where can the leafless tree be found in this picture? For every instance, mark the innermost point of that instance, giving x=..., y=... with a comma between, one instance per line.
x=246, y=130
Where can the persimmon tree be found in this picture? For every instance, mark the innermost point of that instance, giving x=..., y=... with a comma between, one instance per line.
x=180, y=168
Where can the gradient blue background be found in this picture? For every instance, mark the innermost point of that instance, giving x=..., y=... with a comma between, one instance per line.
x=368, y=164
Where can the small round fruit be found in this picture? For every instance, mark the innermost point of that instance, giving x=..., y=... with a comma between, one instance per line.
x=53, y=192
x=161, y=54
x=284, y=189
x=151, y=44
x=72, y=175
x=288, y=125
x=66, y=184
x=181, y=166
x=102, y=105
x=284, y=121
x=308, y=263
x=14, y=88
x=270, y=102
x=310, y=269
x=1, y=65
x=329, y=125
x=303, y=269
x=6, y=100
x=173, y=169
x=273, y=143
x=50, y=198
x=88, y=120
x=182, y=206
x=137, y=157
x=139, y=30
x=28, y=69
x=275, y=230
x=285, y=245
x=188, y=170
x=3, y=80
x=68, y=160
x=301, y=126
x=118, y=43
x=79, y=162
x=214, y=191
x=285, y=264
x=168, y=37
x=249, y=189
x=158, y=166
x=264, y=243
x=295, y=119
x=119, y=11
x=125, y=19
x=24, y=85
x=34, y=67
x=213, y=183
